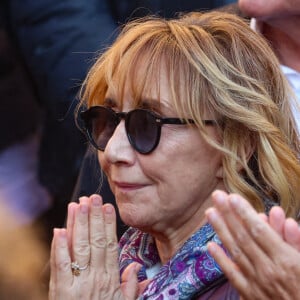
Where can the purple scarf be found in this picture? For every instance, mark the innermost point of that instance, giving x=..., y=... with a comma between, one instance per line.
x=190, y=271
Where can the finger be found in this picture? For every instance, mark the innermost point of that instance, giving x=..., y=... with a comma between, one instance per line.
x=230, y=269
x=80, y=239
x=111, y=262
x=292, y=233
x=261, y=232
x=70, y=222
x=277, y=219
x=264, y=217
x=228, y=240
x=272, y=250
x=62, y=264
x=97, y=234
x=142, y=286
x=84, y=200
x=241, y=243
x=52, y=269
x=130, y=285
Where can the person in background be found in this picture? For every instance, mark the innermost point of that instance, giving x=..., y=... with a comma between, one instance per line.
x=265, y=266
x=57, y=41
x=20, y=119
x=175, y=112
x=279, y=22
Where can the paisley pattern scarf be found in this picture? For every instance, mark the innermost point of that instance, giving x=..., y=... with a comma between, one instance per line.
x=190, y=271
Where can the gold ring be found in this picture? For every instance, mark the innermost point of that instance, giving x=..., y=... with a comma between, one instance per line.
x=76, y=269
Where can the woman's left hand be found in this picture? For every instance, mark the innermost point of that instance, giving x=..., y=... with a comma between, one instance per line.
x=84, y=257
x=265, y=260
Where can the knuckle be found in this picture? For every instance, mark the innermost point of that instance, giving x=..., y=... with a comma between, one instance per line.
x=99, y=242
x=236, y=253
x=257, y=229
x=63, y=265
x=240, y=237
x=102, y=281
x=112, y=245
x=82, y=248
x=269, y=272
x=231, y=275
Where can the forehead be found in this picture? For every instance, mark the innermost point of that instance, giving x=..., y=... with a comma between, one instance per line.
x=142, y=83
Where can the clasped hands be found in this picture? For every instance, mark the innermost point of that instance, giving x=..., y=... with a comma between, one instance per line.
x=90, y=243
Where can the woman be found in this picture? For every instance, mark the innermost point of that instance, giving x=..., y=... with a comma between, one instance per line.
x=176, y=110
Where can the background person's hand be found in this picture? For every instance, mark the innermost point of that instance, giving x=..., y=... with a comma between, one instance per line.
x=268, y=9
x=263, y=265
x=90, y=241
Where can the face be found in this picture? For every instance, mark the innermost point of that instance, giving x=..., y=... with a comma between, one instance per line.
x=270, y=8
x=170, y=187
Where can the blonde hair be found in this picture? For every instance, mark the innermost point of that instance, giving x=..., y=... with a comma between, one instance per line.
x=215, y=63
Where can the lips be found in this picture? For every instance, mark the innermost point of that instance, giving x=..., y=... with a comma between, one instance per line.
x=127, y=186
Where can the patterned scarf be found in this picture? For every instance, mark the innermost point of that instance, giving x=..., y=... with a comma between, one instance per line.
x=189, y=272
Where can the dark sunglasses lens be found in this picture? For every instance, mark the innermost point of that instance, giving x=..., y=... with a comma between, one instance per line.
x=143, y=131
x=102, y=124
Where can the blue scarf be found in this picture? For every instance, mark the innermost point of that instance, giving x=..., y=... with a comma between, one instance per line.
x=189, y=272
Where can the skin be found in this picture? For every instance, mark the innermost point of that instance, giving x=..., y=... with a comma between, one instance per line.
x=268, y=9
x=263, y=250
x=146, y=186
x=152, y=192
x=91, y=230
x=281, y=26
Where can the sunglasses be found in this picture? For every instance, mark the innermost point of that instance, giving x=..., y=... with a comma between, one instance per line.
x=143, y=127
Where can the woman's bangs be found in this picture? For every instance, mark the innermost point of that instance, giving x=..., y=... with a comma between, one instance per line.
x=138, y=69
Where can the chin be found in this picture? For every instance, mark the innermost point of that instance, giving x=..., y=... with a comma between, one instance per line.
x=134, y=219
x=129, y=215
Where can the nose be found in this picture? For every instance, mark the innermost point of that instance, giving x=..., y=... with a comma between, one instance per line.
x=118, y=148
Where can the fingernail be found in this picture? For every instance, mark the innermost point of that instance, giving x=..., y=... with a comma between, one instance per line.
x=63, y=233
x=81, y=199
x=96, y=201
x=84, y=208
x=108, y=209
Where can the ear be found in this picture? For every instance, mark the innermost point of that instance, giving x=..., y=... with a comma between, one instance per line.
x=220, y=171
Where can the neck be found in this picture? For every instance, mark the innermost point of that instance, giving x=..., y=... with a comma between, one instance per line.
x=283, y=35
x=170, y=242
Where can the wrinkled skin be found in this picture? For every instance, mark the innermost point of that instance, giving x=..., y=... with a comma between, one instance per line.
x=264, y=250
x=90, y=238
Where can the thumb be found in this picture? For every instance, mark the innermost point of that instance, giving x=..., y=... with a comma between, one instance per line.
x=129, y=281
x=142, y=285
